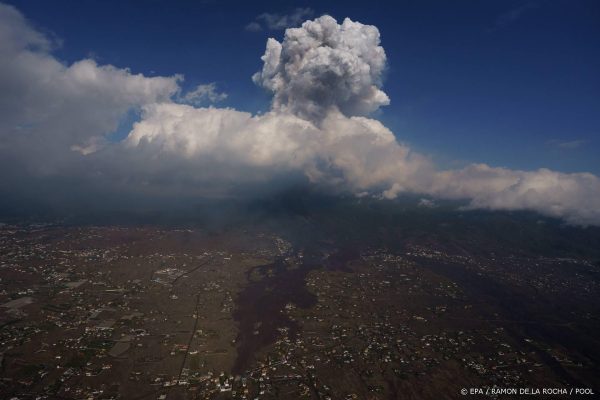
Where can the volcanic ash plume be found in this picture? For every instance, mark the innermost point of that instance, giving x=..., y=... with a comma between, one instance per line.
x=323, y=66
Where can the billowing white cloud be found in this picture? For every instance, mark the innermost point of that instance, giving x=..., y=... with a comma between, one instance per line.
x=575, y=197
x=353, y=153
x=325, y=77
x=47, y=106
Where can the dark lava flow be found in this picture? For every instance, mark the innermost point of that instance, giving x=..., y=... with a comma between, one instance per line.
x=259, y=306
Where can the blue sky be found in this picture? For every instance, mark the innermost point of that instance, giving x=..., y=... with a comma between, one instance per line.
x=508, y=83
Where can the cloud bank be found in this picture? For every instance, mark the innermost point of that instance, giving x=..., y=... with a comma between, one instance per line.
x=47, y=107
x=57, y=120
